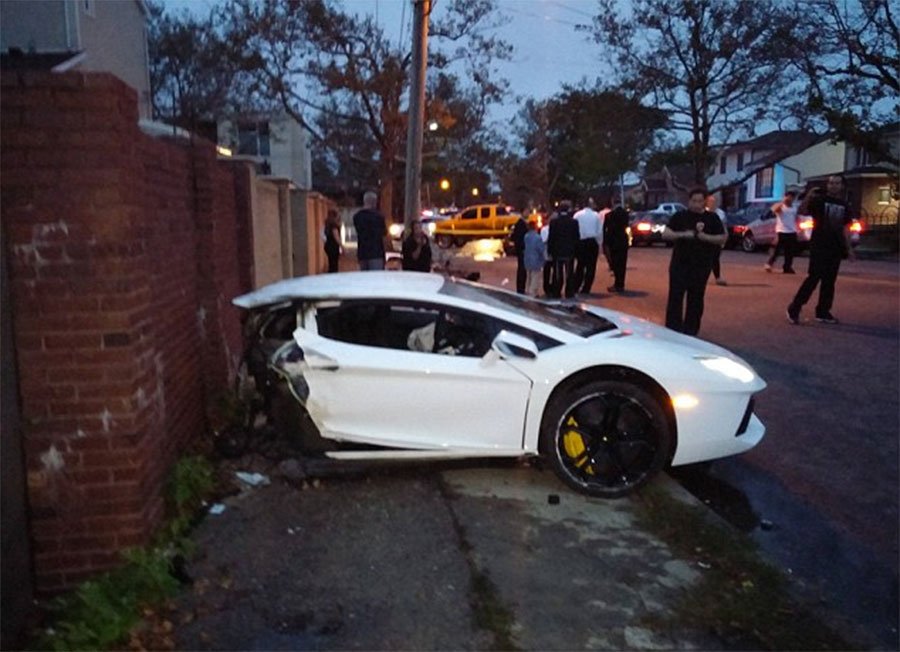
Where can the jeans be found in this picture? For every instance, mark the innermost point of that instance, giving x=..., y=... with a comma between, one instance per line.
x=788, y=243
x=687, y=286
x=371, y=265
x=823, y=268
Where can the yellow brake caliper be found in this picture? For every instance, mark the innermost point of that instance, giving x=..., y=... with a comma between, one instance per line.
x=573, y=443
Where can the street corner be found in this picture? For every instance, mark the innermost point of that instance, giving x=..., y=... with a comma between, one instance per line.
x=574, y=572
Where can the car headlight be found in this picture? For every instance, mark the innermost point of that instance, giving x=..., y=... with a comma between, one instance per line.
x=728, y=368
x=396, y=230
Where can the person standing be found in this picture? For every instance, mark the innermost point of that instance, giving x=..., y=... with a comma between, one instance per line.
x=562, y=244
x=332, y=240
x=712, y=205
x=548, y=262
x=590, y=233
x=829, y=243
x=372, y=238
x=697, y=235
x=615, y=242
x=520, y=228
x=416, y=250
x=786, y=232
x=534, y=258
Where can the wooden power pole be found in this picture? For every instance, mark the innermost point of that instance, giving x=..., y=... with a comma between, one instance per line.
x=419, y=64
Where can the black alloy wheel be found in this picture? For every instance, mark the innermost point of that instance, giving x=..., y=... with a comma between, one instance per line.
x=606, y=438
x=748, y=243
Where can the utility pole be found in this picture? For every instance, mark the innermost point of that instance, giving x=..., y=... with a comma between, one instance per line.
x=418, y=66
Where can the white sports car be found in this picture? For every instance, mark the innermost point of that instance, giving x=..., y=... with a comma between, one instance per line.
x=404, y=365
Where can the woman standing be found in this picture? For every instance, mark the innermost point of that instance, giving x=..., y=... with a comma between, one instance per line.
x=332, y=240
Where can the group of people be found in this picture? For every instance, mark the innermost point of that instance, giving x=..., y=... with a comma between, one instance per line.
x=562, y=256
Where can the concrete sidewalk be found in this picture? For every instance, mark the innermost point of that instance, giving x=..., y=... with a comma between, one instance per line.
x=472, y=558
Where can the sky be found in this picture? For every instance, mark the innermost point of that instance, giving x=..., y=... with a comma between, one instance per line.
x=548, y=51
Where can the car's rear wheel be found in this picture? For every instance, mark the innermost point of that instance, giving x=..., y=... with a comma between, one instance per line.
x=748, y=242
x=460, y=241
x=606, y=438
x=443, y=241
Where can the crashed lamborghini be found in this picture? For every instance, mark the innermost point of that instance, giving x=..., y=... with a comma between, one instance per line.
x=404, y=365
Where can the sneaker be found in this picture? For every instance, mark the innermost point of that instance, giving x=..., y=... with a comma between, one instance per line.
x=768, y=267
x=721, y=281
x=793, y=315
x=827, y=318
x=789, y=271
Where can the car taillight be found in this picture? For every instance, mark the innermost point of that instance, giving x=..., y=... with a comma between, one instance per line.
x=856, y=226
x=740, y=228
x=643, y=227
x=807, y=224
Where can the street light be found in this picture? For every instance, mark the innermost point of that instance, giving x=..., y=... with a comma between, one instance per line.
x=445, y=184
x=474, y=192
x=433, y=125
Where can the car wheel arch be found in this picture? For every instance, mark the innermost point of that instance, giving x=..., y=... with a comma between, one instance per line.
x=620, y=373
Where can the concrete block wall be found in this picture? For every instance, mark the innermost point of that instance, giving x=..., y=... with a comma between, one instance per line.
x=125, y=255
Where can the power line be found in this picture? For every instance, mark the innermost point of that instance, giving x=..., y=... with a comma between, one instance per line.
x=544, y=17
x=572, y=9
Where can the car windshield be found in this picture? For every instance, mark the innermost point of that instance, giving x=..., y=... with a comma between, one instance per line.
x=572, y=318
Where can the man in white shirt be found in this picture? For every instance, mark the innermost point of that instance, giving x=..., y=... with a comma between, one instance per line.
x=590, y=233
x=786, y=232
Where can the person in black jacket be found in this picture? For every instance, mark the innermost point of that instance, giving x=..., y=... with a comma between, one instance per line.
x=416, y=250
x=562, y=245
x=615, y=239
x=519, y=230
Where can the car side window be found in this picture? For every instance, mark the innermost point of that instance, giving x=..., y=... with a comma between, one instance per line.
x=374, y=323
x=469, y=214
x=501, y=210
x=484, y=212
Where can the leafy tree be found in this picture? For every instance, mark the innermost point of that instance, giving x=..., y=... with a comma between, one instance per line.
x=847, y=54
x=579, y=142
x=709, y=64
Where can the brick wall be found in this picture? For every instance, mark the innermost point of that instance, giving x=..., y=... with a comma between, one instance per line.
x=125, y=256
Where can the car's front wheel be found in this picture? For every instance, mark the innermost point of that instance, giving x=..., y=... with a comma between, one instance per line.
x=444, y=241
x=606, y=438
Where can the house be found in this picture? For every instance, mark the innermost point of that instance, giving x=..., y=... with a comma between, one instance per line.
x=276, y=144
x=85, y=35
x=763, y=168
x=670, y=184
x=873, y=182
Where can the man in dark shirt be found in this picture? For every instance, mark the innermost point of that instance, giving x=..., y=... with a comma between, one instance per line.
x=371, y=234
x=615, y=239
x=829, y=243
x=697, y=235
x=517, y=236
x=562, y=245
x=416, y=250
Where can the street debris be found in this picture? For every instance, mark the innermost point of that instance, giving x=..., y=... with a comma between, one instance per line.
x=217, y=509
x=252, y=479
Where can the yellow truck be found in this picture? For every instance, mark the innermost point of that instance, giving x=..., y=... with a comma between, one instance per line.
x=474, y=223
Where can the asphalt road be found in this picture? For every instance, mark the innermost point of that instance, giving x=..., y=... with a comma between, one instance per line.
x=820, y=493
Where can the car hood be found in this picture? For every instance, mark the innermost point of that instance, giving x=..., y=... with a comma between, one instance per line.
x=631, y=326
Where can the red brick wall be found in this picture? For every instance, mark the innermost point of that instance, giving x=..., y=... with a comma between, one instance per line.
x=125, y=257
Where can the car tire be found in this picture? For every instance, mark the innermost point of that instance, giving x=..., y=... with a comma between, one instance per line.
x=606, y=438
x=443, y=241
x=748, y=243
x=460, y=241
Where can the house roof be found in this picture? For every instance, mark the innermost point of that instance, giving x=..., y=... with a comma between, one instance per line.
x=787, y=142
x=861, y=171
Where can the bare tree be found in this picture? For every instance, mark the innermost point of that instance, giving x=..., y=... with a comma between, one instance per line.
x=709, y=64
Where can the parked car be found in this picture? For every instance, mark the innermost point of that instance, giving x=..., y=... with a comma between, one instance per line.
x=647, y=229
x=760, y=231
x=607, y=398
x=669, y=208
x=735, y=226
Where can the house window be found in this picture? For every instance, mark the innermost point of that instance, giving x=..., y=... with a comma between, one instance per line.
x=764, y=179
x=723, y=164
x=253, y=138
x=862, y=157
x=740, y=161
x=884, y=195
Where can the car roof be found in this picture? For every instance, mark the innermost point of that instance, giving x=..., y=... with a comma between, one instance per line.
x=345, y=285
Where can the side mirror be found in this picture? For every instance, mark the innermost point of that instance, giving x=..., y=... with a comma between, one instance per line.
x=512, y=345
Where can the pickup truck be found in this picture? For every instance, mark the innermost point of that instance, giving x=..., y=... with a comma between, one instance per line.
x=474, y=223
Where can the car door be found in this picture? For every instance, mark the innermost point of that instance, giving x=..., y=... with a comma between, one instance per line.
x=765, y=233
x=371, y=387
